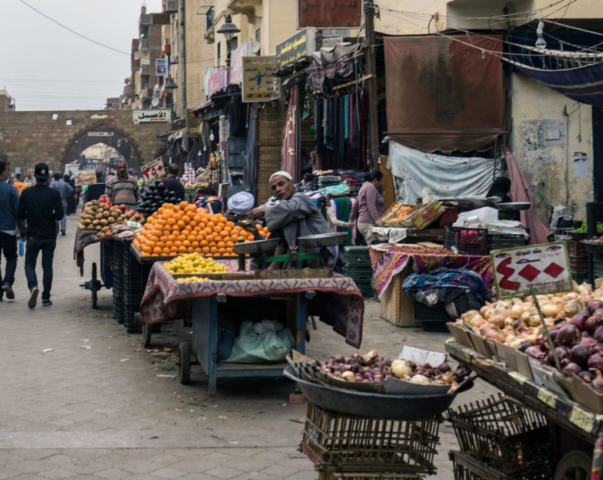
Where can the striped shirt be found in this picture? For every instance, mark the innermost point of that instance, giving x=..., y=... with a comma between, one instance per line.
x=123, y=191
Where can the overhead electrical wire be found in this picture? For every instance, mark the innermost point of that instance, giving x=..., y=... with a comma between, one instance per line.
x=73, y=31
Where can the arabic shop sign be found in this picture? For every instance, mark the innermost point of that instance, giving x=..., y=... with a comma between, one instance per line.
x=218, y=81
x=149, y=116
x=259, y=81
x=329, y=13
x=236, y=64
x=539, y=269
x=193, y=122
x=152, y=171
x=299, y=45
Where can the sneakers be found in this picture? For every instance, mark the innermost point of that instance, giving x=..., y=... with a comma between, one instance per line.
x=46, y=303
x=63, y=233
x=33, y=298
x=7, y=289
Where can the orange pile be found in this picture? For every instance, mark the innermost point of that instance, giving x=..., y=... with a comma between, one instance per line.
x=263, y=231
x=177, y=229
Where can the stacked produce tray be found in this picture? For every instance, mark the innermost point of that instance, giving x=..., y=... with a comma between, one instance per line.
x=434, y=318
x=472, y=241
x=503, y=241
x=343, y=446
x=578, y=258
x=135, y=281
x=357, y=266
x=505, y=436
x=118, y=281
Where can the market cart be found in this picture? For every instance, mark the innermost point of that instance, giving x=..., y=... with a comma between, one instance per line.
x=105, y=279
x=334, y=299
x=574, y=429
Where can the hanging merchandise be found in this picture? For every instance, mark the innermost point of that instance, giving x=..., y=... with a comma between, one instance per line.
x=290, y=134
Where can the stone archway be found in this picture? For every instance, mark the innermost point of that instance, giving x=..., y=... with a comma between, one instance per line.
x=107, y=135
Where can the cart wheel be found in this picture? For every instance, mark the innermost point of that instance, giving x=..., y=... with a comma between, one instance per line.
x=146, y=335
x=93, y=286
x=575, y=465
x=184, y=364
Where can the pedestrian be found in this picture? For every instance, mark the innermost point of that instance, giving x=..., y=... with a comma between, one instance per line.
x=71, y=203
x=122, y=189
x=368, y=207
x=65, y=190
x=172, y=183
x=9, y=201
x=41, y=206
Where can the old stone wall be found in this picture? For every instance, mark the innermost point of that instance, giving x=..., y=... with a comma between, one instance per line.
x=27, y=138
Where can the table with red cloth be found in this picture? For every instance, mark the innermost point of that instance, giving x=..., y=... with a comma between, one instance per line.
x=387, y=264
x=338, y=302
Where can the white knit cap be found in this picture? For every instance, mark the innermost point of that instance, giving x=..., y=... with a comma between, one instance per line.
x=282, y=173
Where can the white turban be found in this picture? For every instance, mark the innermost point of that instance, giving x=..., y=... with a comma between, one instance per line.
x=282, y=173
x=241, y=203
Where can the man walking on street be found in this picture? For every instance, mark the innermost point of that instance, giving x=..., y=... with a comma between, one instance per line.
x=172, y=183
x=65, y=190
x=9, y=200
x=41, y=206
x=123, y=189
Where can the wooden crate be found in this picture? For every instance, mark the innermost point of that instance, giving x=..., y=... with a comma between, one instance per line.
x=396, y=305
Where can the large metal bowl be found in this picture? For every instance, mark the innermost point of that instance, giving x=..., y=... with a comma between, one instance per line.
x=374, y=405
x=325, y=240
x=257, y=247
x=513, y=206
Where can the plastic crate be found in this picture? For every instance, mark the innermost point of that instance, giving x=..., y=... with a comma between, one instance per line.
x=465, y=467
x=358, y=275
x=348, y=443
x=472, y=241
x=580, y=279
x=131, y=327
x=500, y=242
x=434, y=318
x=356, y=256
x=598, y=265
x=506, y=436
x=579, y=266
x=575, y=249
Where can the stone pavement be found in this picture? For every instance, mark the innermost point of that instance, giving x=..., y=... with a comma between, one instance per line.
x=81, y=399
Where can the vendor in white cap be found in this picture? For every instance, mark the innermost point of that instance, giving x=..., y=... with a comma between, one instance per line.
x=296, y=215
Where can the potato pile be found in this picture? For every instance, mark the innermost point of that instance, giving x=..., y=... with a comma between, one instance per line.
x=97, y=215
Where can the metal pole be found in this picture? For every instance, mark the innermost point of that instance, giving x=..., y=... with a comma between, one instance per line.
x=371, y=84
x=183, y=56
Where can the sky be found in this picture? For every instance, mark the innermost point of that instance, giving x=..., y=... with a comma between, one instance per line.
x=46, y=67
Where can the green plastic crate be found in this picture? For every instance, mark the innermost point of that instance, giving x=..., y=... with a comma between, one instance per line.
x=356, y=256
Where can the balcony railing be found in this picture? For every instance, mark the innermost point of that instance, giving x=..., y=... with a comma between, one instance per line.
x=210, y=17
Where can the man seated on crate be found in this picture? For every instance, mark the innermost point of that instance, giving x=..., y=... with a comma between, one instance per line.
x=295, y=215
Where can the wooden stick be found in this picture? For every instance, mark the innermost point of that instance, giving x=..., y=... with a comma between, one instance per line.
x=546, y=330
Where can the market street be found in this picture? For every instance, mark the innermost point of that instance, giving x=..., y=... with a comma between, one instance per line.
x=95, y=408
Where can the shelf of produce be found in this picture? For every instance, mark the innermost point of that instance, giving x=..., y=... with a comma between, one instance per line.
x=593, y=247
x=567, y=414
x=147, y=259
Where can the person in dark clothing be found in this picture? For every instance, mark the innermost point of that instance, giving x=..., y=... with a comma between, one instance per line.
x=71, y=204
x=172, y=182
x=500, y=188
x=41, y=206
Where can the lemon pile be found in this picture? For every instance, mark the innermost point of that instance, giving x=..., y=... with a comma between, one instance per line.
x=194, y=263
x=192, y=279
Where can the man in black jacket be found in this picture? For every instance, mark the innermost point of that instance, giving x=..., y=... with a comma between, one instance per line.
x=41, y=206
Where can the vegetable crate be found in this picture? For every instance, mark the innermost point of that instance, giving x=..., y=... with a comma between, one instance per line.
x=356, y=256
x=500, y=242
x=472, y=241
x=135, y=281
x=579, y=266
x=598, y=265
x=118, y=282
x=326, y=475
x=465, y=467
x=434, y=318
x=342, y=443
x=506, y=436
x=575, y=249
x=359, y=274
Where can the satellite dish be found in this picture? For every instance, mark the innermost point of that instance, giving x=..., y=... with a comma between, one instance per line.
x=155, y=102
x=256, y=48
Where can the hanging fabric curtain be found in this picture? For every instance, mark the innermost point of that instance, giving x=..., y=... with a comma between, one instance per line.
x=251, y=161
x=289, y=150
x=442, y=94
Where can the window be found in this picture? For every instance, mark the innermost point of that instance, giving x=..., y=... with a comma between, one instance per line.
x=219, y=53
x=68, y=122
x=335, y=32
x=258, y=35
x=55, y=116
x=209, y=16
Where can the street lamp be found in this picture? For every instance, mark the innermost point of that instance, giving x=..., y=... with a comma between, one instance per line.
x=228, y=29
x=171, y=85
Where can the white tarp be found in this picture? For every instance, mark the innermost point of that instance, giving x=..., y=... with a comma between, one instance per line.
x=446, y=176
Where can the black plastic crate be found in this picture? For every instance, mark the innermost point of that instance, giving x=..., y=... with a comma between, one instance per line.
x=359, y=275
x=598, y=265
x=472, y=241
x=500, y=241
x=356, y=256
x=435, y=314
x=575, y=249
x=579, y=266
x=580, y=279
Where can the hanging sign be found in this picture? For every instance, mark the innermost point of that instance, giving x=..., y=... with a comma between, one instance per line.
x=537, y=269
x=260, y=83
x=218, y=81
x=236, y=63
x=291, y=50
x=329, y=13
x=161, y=67
x=85, y=177
x=152, y=171
x=151, y=116
x=193, y=122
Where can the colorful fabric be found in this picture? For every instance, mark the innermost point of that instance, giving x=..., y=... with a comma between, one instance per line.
x=388, y=264
x=447, y=278
x=338, y=301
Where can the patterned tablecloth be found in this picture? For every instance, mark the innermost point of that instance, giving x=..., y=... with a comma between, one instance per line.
x=338, y=302
x=387, y=264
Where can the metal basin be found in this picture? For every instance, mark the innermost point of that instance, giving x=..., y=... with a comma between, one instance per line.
x=257, y=247
x=513, y=206
x=326, y=240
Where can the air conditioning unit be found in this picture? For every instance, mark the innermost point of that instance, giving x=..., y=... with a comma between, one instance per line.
x=171, y=6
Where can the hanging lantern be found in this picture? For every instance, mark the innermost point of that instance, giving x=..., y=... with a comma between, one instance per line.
x=312, y=128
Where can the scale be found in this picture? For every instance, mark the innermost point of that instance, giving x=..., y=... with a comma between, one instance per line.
x=260, y=248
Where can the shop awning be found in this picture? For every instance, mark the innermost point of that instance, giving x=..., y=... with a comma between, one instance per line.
x=443, y=95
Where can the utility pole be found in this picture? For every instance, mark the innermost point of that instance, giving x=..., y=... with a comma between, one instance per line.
x=370, y=9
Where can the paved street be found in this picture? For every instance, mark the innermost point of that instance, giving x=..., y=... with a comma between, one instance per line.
x=97, y=406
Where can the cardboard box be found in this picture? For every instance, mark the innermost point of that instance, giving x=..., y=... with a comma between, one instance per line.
x=397, y=305
x=568, y=385
x=479, y=345
x=587, y=396
x=460, y=335
x=544, y=376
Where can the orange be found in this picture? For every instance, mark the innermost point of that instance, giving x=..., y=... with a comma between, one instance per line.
x=204, y=243
x=197, y=250
x=228, y=230
x=222, y=219
x=229, y=244
x=168, y=205
x=221, y=245
x=196, y=229
x=167, y=228
x=177, y=243
x=250, y=237
x=186, y=232
x=171, y=238
x=157, y=251
x=183, y=204
x=217, y=229
x=154, y=238
x=165, y=251
x=160, y=210
x=198, y=218
x=211, y=224
x=191, y=238
x=234, y=237
x=205, y=249
x=160, y=244
x=213, y=250
x=230, y=224
x=190, y=250
x=163, y=238
x=208, y=231
x=169, y=244
x=195, y=244
x=221, y=251
x=174, y=249
x=229, y=250
x=186, y=243
x=209, y=238
x=171, y=221
x=146, y=249
x=186, y=219
x=202, y=225
x=192, y=223
x=182, y=249
x=181, y=237
x=181, y=224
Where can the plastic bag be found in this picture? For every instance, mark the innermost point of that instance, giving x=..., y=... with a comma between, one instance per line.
x=476, y=217
x=249, y=347
x=227, y=332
